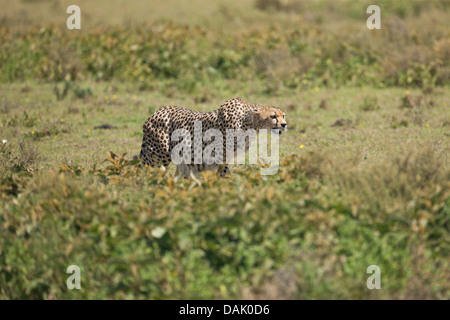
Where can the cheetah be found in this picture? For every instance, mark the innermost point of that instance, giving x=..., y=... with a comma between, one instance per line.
x=234, y=114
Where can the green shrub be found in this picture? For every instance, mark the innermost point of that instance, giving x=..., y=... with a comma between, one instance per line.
x=227, y=238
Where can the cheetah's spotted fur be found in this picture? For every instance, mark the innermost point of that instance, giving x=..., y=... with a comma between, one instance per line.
x=234, y=114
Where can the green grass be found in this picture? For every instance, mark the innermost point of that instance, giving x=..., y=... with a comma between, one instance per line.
x=364, y=174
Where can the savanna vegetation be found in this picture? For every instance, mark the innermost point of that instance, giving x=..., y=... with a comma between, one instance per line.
x=364, y=177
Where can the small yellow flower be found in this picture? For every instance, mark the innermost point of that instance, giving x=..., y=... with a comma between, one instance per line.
x=302, y=146
x=316, y=89
x=303, y=135
x=407, y=92
x=27, y=100
x=427, y=125
x=106, y=98
x=360, y=124
x=89, y=130
x=114, y=97
x=32, y=132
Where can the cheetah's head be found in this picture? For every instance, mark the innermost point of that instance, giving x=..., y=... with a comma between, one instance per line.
x=270, y=118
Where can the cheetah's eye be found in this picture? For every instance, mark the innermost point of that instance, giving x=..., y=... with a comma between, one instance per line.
x=273, y=116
